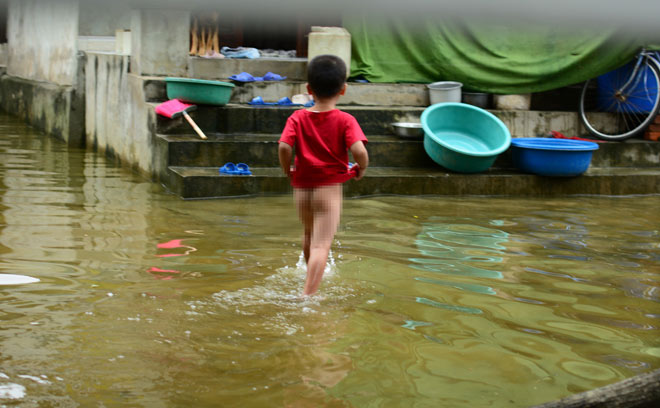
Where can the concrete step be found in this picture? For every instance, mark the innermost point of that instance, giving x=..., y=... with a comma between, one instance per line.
x=243, y=118
x=294, y=69
x=207, y=182
x=364, y=94
x=260, y=150
x=357, y=93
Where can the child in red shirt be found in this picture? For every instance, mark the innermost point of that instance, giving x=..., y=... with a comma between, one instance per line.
x=321, y=136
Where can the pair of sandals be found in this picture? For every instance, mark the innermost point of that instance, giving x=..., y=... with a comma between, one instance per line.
x=240, y=169
x=246, y=77
x=286, y=101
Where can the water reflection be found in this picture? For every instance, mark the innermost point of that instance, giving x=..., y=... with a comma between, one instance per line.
x=455, y=248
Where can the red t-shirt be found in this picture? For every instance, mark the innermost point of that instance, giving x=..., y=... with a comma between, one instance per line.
x=321, y=141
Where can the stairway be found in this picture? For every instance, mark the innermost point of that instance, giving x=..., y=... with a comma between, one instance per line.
x=237, y=132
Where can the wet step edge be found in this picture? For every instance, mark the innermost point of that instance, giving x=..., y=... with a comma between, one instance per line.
x=207, y=182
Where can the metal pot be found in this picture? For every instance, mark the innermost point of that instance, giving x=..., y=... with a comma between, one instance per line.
x=479, y=99
x=408, y=130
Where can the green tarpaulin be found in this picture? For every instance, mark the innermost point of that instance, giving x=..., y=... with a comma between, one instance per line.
x=487, y=58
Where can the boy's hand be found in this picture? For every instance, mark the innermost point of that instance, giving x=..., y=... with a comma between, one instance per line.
x=361, y=156
x=359, y=171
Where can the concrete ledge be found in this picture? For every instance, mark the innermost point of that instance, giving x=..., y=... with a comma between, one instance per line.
x=295, y=69
x=261, y=150
x=197, y=183
x=415, y=95
x=243, y=118
x=207, y=182
x=54, y=109
x=384, y=151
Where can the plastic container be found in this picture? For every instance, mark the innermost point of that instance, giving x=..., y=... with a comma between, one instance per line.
x=462, y=137
x=445, y=91
x=330, y=40
x=552, y=157
x=479, y=99
x=199, y=91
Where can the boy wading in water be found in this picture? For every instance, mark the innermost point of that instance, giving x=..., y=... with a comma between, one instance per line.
x=321, y=136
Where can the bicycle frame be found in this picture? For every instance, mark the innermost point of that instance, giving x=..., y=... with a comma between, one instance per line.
x=644, y=54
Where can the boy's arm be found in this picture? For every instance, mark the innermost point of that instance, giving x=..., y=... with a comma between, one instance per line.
x=285, y=152
x=361, y=157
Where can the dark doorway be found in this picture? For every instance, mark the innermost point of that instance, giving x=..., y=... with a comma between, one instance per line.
x=258, y=32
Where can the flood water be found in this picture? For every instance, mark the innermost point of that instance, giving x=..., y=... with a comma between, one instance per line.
x=146, y=300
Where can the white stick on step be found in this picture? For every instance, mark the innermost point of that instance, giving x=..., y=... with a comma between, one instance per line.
x=194, y=125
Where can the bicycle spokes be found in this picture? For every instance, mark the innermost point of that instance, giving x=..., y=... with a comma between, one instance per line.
x=621, y=103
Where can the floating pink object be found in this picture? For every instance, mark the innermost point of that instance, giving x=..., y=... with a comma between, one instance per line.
x=155, y=271
x=175, y=243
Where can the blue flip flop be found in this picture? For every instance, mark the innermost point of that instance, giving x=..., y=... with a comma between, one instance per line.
x=273, y=77
x=229, y=168
x=243, y=169
x=258, y=100
x=245, y=77
x=287, y=102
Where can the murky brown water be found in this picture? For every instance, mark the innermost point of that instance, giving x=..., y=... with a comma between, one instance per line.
x=146, y=300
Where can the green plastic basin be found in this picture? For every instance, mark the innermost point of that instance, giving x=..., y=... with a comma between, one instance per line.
x=463, y=138
x=199, y=91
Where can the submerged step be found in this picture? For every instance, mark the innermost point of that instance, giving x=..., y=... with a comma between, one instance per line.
x=208, y=182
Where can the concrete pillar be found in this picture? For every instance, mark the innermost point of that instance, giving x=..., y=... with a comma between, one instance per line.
x=160, y=42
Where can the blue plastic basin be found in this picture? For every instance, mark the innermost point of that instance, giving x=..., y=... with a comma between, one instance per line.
x=552, y=157
x=463, y=138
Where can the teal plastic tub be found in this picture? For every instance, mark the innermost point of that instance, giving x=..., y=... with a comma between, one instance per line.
x=463, y=138
x=199, y=91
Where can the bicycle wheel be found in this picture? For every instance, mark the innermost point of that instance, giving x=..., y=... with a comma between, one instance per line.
x=609, y=113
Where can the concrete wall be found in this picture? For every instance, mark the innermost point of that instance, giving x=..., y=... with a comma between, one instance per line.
x=118, y=121
x=103, y=18
x=160, y=42
x=42, y=81
x=42, y=37
x=53, y=109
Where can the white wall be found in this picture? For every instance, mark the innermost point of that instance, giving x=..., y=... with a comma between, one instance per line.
x=42, y=37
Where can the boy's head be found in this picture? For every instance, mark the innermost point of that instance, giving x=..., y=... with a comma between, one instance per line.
x=326, y=75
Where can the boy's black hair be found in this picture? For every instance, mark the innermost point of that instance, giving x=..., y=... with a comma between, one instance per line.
x=326, y=75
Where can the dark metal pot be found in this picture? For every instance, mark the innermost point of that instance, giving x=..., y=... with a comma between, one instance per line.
x=479, y=99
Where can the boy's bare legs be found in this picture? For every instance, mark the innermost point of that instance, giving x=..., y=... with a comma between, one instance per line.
x=319, y=210
x=303, y=199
